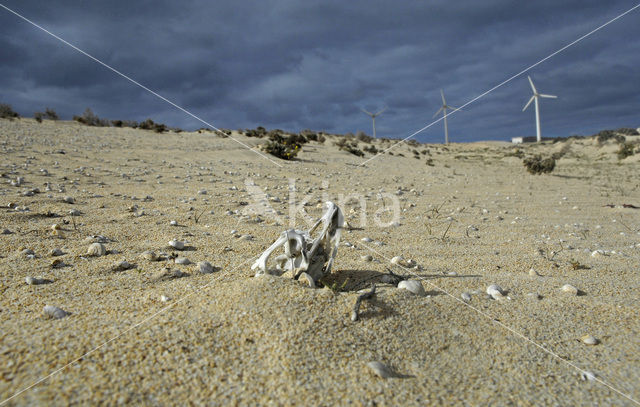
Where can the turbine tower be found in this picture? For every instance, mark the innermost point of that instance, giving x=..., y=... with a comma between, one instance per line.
x=444, y=109
x=535, y=97
x=373, y=118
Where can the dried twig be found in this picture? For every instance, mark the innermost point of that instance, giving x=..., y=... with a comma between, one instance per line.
x=365, y=296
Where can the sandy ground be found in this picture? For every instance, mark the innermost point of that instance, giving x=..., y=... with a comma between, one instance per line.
x=473, y=219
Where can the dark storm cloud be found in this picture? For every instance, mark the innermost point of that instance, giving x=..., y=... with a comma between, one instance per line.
x=314, y=64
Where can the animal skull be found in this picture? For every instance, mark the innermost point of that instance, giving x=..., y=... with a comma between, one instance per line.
x=302, y=254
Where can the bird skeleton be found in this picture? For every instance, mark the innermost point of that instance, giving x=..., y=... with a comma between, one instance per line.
x=302, y=254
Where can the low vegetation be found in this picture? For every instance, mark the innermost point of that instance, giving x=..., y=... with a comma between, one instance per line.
x=49, y=114
x=537, y=165
x=626, y=150
x=6, y=112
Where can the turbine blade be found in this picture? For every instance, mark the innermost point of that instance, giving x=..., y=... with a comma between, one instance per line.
x=438, y=112
x=382, y=110
x=369, y=113
x=454, y=108
x=532, y=86
x=528, y=103
x=444, y=102
x=548, y=96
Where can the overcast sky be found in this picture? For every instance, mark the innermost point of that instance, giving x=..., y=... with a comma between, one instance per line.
x=311, y=64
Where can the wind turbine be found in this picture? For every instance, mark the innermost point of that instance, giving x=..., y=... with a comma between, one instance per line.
x=373, y=118
x=535, y=97
x=444, y=109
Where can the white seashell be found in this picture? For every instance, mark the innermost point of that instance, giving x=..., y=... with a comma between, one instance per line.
x=28, y=252
x=54, y=312
x=466, y=296
x=533, y=272
x=182, y=260
x=589, y=340
x=173, y=223
x=367, y=239
x=176, y=244
x=164, y=298
x=56, y=226
x=495, y=291
x=397, y=260
x=568, y=288
x=381, y=369
x=246, y=237
x=588, y=376
x=96, y=249
x=74, y=212
x=205, y=267
x=367, y=257
x=413, y=286
x=56, y=252
x=69, y=199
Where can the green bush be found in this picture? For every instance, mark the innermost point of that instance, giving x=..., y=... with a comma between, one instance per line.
x=90, y=119
x=6, y=112
x=38, y=116
x=626, y=150
x=538, y=165
x=281, y=150
x=50, y=114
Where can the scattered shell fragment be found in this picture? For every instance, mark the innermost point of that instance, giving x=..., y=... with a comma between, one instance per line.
x=367, y=239
x=168, y=274
x=74, y=212
x=534, y=296
x=569, y=289
x=164, y=298
x=589, y=340
x=28, y=252
x=173, y=223
x=367, y=257
x=176, y=244
x=205, y=267
x=69, y=199
x=36, y=281
x=588, y=376
x=56, y=226
x=466, y=296
x=381, y=369
x=122, y=266
x=57, y=263
x=413, y=286
x=96, y=249
x=182, y=260
x=533, y=272
x=149, y=255
x=306, y=278
x=54, y=312
x=56, y=252
x=495, y=291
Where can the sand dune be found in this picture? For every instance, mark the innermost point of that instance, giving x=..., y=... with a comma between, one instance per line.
x=473, y=219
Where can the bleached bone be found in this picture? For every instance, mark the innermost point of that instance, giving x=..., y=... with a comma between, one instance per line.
x=302, y=254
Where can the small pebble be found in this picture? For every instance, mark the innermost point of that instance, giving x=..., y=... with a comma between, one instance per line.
x=69, y=199
x=588, y=376
x=176, y=244
x=205, y=267
x=533, y=272
x=466, y=296
x=367, y=258
x=534, y=296
x=381, y=369
x=74, y=212
x=56, y=252
x=397, y=260
x=173, y=223
x=367, y=239
x=589, y=340
x=182, y=260
x=164, y=298
x=413, y=286
x=6, y=232
x=54, y=312
x=569, y=289
x=28, y=252
x=96, y=249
